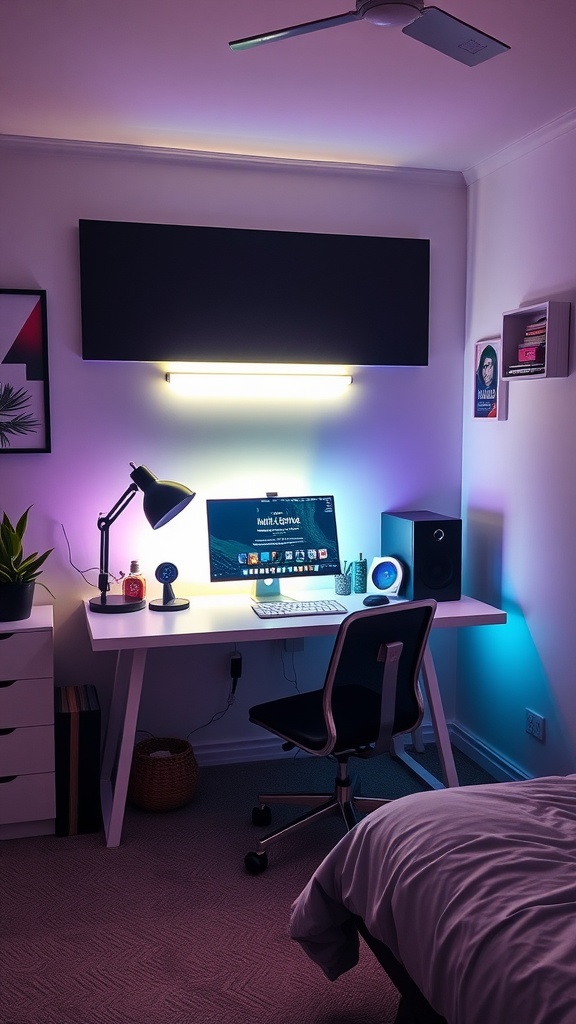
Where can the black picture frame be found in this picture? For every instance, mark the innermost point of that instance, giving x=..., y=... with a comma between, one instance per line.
x=24, y=383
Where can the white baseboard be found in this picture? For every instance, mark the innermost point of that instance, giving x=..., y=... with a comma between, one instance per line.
x=269, y=749
x=483, y=755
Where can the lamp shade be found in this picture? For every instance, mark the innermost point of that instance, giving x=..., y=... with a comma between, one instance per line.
x=163, y=499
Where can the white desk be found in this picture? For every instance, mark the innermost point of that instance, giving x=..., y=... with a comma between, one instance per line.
x=230, y=619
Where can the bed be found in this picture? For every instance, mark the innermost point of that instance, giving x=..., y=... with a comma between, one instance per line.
x=466, y=895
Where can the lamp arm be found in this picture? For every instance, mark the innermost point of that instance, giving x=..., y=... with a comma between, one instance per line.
x=104, y=524
x=119, y=507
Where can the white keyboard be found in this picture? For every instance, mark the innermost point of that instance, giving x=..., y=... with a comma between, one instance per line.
x=281, y=609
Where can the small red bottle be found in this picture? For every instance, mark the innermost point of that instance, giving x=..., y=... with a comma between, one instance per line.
x=134, y=584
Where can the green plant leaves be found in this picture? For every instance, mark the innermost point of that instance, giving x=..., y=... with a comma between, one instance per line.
x=15, y=567
x=12, y=420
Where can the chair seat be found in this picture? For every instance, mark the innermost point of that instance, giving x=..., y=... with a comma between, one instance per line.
x=300, y=718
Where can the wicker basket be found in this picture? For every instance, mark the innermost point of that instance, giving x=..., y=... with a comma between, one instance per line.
x=162, y=783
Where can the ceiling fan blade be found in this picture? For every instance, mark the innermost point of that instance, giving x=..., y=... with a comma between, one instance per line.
x=453, y=37
x=293, y=30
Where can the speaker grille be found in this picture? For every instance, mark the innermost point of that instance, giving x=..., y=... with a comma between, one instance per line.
x=437, y=573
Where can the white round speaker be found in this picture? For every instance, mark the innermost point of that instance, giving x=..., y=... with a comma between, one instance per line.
x=385, y=576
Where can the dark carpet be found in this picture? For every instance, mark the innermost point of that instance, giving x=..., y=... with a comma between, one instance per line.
x=169, y=929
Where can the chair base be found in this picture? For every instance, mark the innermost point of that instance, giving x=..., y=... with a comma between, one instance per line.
x=344, y=801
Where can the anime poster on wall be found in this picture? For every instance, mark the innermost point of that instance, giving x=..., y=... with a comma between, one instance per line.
x=490, y=392
x=24, y=394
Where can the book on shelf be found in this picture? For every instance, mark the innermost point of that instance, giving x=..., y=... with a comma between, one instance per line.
x=538, y=327
x=524, y=369
x=532, y=347
x=532, y=353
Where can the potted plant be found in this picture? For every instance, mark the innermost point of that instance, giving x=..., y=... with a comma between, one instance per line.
x=18, y=572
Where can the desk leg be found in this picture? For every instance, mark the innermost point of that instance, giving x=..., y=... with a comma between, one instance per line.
x=119, y=745
x=430, y=681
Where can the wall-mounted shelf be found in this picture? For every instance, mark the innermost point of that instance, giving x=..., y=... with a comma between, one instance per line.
x=549, y=355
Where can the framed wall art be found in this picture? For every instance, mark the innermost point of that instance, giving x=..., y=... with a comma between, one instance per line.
x=24, y=390
x=490, y=391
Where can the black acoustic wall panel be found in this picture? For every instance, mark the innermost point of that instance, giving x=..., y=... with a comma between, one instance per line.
x=167, y=292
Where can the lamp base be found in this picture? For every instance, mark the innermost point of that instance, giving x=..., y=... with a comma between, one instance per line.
x=175, y=604
x=116, y=603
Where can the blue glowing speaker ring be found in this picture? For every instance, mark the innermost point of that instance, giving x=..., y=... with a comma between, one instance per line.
x=385, y=576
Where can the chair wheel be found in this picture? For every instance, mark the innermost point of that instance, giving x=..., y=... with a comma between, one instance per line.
x=256, y=863
x=261, y=815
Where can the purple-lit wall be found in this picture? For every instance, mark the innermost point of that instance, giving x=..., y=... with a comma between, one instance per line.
x=394, y=441
x=519, y=482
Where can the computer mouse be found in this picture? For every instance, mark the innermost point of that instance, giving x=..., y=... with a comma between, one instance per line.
x=375, y=599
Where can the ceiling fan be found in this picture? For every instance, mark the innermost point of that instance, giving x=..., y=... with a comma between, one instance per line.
x=430, y=25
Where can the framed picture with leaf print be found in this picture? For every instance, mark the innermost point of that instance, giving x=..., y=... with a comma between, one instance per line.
x=24, y=391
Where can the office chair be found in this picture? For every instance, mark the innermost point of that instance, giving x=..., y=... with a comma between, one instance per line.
x=370, y=694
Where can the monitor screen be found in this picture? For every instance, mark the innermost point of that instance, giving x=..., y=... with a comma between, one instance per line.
x=267, y=540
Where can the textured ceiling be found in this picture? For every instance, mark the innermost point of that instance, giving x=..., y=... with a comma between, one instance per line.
x=160, y=73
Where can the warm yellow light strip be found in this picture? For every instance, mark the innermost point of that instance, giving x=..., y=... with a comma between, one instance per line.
x=255, y=383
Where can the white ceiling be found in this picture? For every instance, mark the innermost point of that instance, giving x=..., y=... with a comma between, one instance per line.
x=160, y=73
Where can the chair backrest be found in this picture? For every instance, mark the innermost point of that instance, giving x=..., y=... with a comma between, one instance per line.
x=382, y=649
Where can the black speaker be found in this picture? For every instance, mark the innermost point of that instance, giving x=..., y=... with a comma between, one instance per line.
x=429, y=546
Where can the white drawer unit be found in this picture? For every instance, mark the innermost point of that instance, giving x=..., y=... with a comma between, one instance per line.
x=25, y=800
x=26, y=702
x=27, y=772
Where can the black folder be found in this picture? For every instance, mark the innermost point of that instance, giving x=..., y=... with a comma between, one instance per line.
x=77, y=733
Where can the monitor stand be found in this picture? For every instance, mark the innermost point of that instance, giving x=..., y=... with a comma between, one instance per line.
x=268, y=590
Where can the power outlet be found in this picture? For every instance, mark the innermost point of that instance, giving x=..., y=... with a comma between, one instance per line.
x=535, y=725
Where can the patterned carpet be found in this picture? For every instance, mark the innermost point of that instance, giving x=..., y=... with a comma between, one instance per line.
x=168, y=928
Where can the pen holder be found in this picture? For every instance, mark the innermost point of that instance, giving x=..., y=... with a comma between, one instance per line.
x=343, y=584
x=360, y=576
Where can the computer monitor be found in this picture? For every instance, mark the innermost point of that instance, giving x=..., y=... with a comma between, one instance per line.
x=267, y=540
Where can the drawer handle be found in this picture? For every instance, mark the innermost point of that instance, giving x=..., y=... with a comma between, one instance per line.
x=7, y=778
x=6, y=682
x=6, y=636
x=6, y=732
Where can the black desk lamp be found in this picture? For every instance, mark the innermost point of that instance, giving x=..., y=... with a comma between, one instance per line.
x=163, y=499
